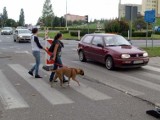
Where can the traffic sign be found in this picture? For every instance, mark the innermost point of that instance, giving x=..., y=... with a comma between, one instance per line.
x=150, y=16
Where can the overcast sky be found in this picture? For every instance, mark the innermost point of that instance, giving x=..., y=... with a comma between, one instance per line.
x=33, y=8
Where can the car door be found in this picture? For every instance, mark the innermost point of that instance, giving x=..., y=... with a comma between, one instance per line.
x=87, y=46
x=98, y=52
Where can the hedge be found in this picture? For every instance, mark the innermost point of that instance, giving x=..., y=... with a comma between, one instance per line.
x=82, y=32
x=157, y=33
x=137, y=34
x=64, y=31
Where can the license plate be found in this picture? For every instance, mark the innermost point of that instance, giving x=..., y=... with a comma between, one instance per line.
x=138, y=62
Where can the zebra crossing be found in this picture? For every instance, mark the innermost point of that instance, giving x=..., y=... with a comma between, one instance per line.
x=12, y=99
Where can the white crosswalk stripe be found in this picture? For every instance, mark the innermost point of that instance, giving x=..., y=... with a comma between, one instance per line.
x=12, y=99
x=89, y=92
x=152, y=68
x=9, y=95
x=85, y=90
x=50, y=94
x=115, y=85
x=138, y=81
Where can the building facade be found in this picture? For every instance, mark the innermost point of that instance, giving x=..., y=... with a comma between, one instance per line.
x=123, y=9
x=71, y=17
x=151, y=5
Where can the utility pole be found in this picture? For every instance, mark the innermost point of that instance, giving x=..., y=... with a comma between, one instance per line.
x=66, y=14
x=119, y=9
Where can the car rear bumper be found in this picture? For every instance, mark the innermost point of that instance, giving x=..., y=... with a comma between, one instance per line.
x=6, y=33
x=131, y=63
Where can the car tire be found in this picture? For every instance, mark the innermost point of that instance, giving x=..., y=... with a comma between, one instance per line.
x=14, y=40
x=82, y=57
x=109, y=63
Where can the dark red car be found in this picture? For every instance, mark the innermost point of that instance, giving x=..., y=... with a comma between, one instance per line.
x=111, y=50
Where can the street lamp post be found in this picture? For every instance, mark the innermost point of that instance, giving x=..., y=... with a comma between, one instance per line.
x=119, y=9
x=66, y=15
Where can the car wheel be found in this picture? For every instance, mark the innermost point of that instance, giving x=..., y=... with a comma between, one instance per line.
x=109, y=63
x=82, y=56
x=14, y=40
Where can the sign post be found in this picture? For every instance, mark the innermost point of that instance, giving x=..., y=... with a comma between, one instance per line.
x=149, y=18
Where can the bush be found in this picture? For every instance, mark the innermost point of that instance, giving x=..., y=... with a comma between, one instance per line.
x=74, y=33
x=115, y=26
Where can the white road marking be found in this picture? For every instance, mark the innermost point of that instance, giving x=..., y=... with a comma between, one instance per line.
x=9, y=95
x=138, y=81
x=23, y=52
x=114, y=85
x=50, y=94
x=74, y=49
x=149, y=75
x=8, y=37
x=152, y=68
x=89, y=92
x=85, y=90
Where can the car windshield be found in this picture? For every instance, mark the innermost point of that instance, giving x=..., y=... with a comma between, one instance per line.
x=115, y=40
x=24, y=31
x=6, y=28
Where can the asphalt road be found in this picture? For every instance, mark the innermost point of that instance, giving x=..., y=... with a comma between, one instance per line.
x=103, y=95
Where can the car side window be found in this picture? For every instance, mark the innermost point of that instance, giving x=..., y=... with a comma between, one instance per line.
x=97, y=40
x=88, y=39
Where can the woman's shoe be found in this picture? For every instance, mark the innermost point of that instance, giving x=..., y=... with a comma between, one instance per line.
x=65, y=81
x=53, y=81
x=37, y=76
x=31, y=73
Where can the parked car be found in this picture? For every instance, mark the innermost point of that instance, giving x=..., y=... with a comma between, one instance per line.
x=111, y=50
x=22, y=35
x=7, y=31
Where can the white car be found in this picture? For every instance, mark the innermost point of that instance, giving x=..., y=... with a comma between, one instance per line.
x=7, y=31
x=22, y=35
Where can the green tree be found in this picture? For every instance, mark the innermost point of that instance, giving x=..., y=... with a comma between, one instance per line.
x=56, y=22
x=1, y=20
x=4, y=16
x=40, y=21
x=47, y=14
x=62, y=22
x=21, y=18
x=11, y=23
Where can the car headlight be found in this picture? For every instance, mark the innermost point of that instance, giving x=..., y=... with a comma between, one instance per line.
x=125, y=56
x=145, y=54
x=20, y=36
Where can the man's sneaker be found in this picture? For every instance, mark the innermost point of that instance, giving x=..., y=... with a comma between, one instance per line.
x=30, y=73
x=37, y=76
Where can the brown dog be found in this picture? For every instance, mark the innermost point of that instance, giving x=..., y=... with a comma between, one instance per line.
x=68, y=72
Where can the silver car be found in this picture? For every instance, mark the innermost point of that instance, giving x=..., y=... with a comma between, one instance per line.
x=22, y=35
x=7, y=31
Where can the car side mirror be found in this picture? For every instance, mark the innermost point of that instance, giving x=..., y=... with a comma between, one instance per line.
x=129, y=41
x=100, y=45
